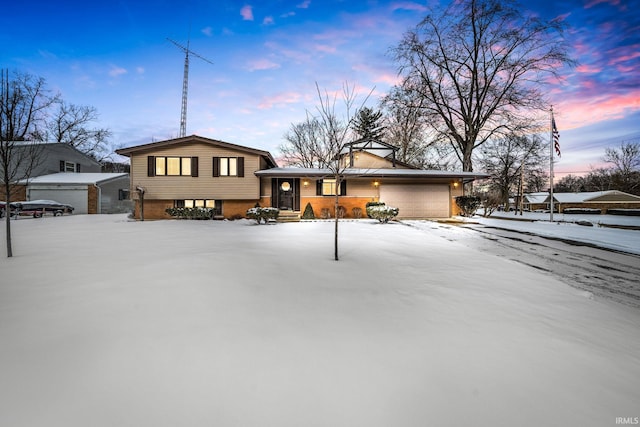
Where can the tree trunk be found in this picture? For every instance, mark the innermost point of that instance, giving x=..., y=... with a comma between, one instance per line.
x=7, y=211
x=335, y=237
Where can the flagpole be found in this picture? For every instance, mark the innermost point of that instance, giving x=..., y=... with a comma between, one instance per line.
x=551, y=147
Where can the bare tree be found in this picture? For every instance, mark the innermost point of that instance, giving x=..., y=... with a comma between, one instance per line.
x=71, y=124
x=336, y=131
x=24, y=103
x=304, y=146
x=479, y=67
x=625, y=161
x=509, y=158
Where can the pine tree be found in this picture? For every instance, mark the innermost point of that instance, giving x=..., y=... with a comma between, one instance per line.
x=368, y=124
x=308, y=212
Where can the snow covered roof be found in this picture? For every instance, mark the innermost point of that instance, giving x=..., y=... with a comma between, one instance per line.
x=374, y=173
x=594, y=196
x=536, y=197
x=74, y=178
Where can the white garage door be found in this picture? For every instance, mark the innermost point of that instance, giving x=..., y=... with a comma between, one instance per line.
x=76, y=198
x=418, y=200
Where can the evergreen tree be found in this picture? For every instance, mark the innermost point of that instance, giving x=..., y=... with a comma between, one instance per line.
x=368, y=124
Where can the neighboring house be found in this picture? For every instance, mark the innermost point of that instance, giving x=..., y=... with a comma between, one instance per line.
x=88, y=193
x=598, y=200
x=535, y=201
x=56, y=157
x=197, y=171
x=52, y=157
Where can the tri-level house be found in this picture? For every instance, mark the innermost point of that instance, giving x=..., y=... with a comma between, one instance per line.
x=196, y=171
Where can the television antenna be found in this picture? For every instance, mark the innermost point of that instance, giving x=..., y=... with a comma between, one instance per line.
x=185, y=82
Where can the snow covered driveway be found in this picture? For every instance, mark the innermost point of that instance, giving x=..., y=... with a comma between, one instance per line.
x=581, y=261
x=106, y=322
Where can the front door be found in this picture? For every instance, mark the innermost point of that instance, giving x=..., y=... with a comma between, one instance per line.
x=285, y=194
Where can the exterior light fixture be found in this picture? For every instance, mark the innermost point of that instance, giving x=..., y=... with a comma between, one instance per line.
x=305, y=183
x=376, y=183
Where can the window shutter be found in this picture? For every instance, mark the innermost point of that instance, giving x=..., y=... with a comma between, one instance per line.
x=216, y=166
x=61, y=165
x=78, y=167
x=151, y=166
x=240, y=166
x=194, y=167
x=319, y=187
x=343, y=187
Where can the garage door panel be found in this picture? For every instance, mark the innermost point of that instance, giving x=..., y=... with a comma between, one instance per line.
x=75, y=198
x=418, y=200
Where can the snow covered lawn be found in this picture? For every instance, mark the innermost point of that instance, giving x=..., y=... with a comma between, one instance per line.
x=107, y=322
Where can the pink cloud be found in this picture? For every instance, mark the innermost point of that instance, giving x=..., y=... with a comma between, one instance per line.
x=116, y=71
x=268, y=20
x=304, y=5
x=588, y=69
x=279, y=100
x=587, y=110
x=593, y=3
x=262, y=64
x=408, y=6
x=247, y=13
x=325, y=48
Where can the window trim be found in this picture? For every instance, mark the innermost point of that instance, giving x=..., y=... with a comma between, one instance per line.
x=222, y=166
x=185, y=167
x=342, y=189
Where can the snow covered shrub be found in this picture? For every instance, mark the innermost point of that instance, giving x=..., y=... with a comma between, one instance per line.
x=356, y=212
x=263, y=214
x=308, y=212
x=341, y=212
x=369, y=204
x=382, y=213
x=325, y=213
x=468, y=204
x=190, y=213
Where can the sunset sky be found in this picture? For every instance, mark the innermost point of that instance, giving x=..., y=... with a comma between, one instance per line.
x=268, y=55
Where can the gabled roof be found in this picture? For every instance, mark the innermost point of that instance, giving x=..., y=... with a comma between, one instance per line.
x=536, y=197
x=199, y=139
x=74, y=178
x=593, y=197
x=53, y=146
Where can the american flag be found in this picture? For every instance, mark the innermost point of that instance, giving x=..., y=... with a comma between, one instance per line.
x=556, y=136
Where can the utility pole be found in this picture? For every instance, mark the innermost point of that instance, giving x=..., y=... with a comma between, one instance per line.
x=185, y=83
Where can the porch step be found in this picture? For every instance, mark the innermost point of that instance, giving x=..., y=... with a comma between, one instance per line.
x=289, y=216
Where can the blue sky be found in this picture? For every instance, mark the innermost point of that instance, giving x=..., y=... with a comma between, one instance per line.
x=268, y=56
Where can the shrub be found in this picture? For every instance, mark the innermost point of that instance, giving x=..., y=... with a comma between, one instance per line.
x=356, y=212
x=382, y=213
x=191, y=213
x=263, y=214
x=325, y=213
x=370, y=204
x=341, y=212
x=468, y=204
x=308, y=212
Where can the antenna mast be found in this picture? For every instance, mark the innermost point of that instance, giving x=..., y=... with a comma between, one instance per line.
x=185, y=83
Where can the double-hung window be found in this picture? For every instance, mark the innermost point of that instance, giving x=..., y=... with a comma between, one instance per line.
x=172, y=166
x=228, y=166
x=328, y=187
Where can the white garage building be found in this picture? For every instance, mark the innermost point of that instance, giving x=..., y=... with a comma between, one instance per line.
x=88, y=193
